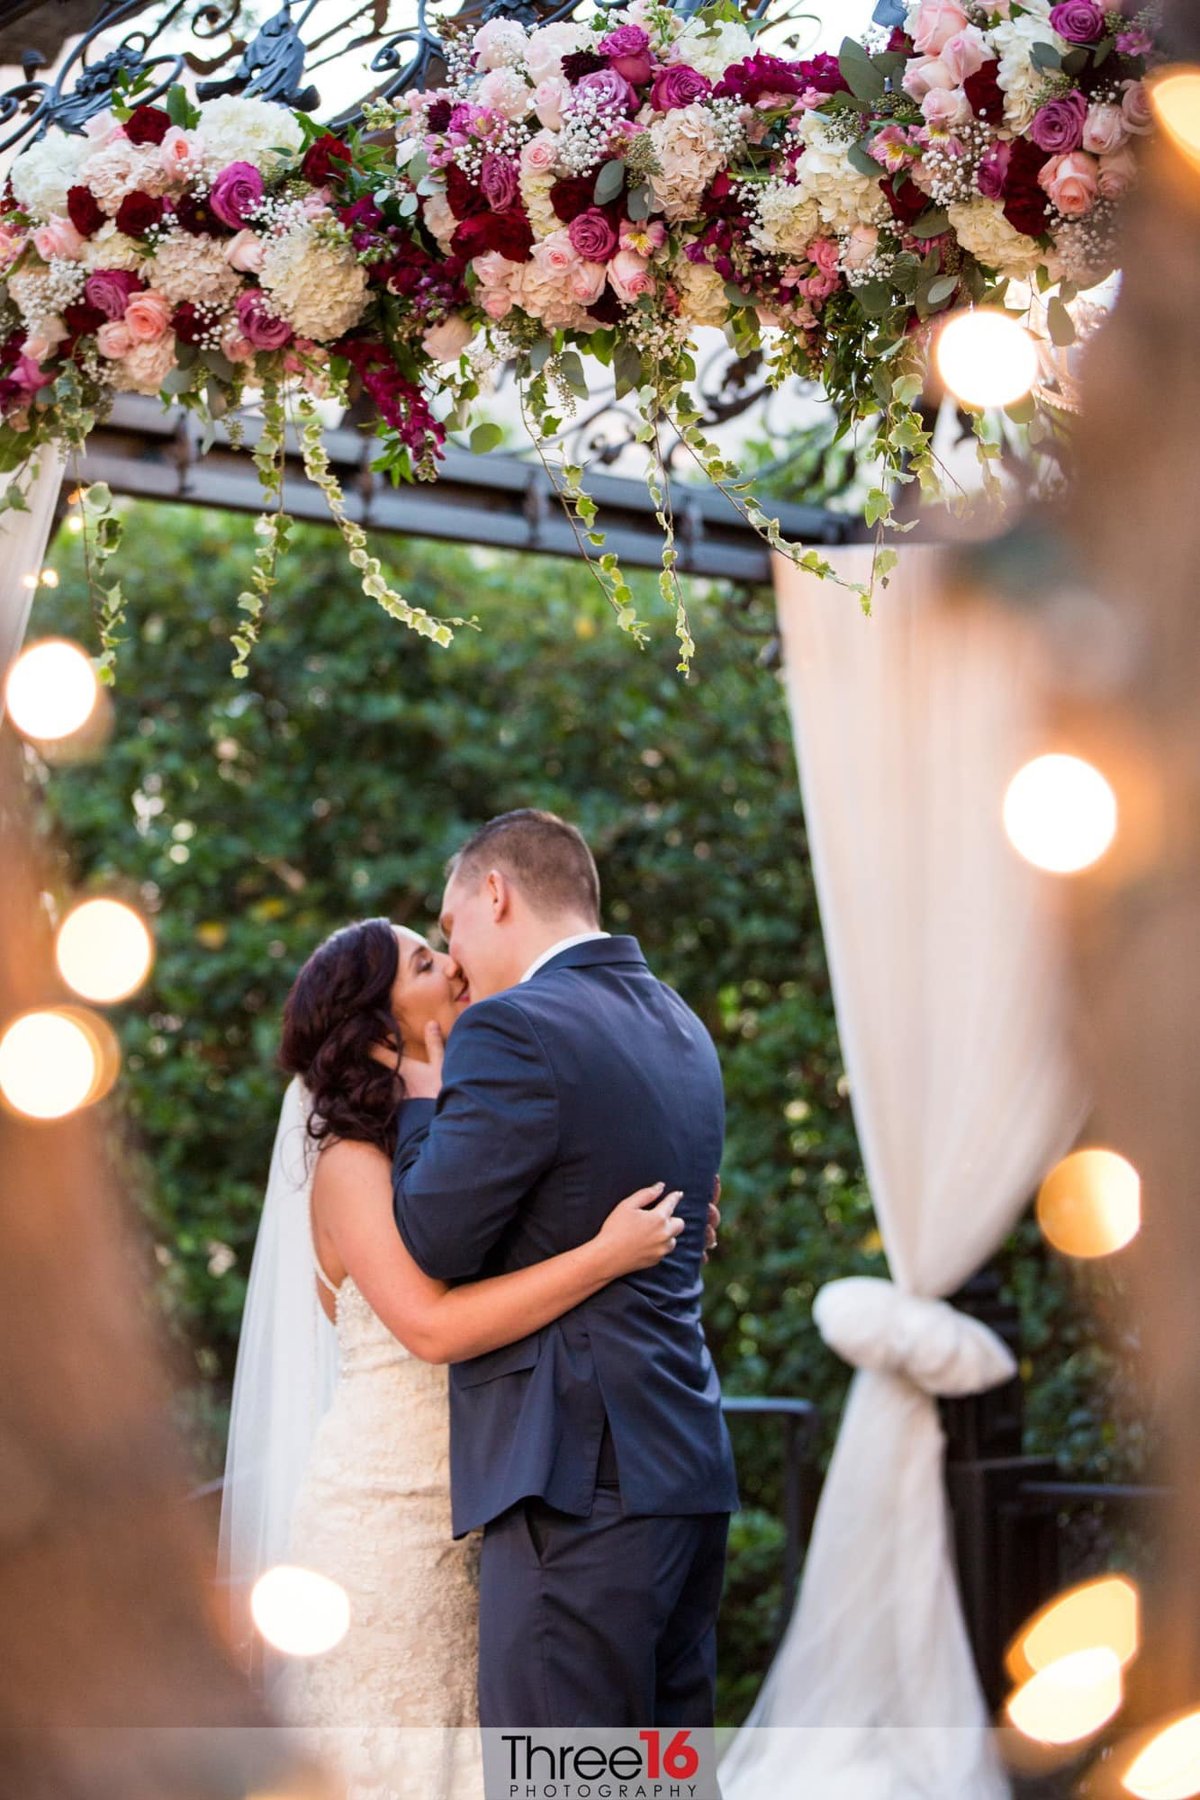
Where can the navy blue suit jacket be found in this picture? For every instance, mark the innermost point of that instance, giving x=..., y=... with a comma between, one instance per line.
x=560, y=1097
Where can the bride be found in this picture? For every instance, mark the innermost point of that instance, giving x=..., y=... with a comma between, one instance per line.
x=338, y=1443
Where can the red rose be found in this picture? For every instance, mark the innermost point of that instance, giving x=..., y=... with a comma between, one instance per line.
x=321, y=157
x=1025, y=203
x=984, y=92
x=138, y=212
x=462, y=196
x=147, y=125
x=573, y=195
x=84, y=211
x=509, y=233
x=905, y=199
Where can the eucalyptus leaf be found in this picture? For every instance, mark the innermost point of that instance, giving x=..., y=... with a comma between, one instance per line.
x=639, y=202
x=1045, y=57
x=932, y=223
x=571, y=366
x=860, y=74
x=875, y=298
x=627, y=366
x=941, y=290
x=1060, y=324
x=609, y=181
x=860, y=158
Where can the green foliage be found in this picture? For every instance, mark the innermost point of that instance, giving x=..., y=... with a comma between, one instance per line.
x=333, y=782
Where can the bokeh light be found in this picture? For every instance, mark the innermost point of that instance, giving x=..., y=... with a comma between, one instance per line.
x=56, y=1060
x=1168, y=1767
x=1060, y=814
x=1175, y=97
x=51, y=690
x=298, y=1611
x=986, y=358
x=1100, y=1614
x=1069, y=1699
x=104, y=950
x=1090, y=1203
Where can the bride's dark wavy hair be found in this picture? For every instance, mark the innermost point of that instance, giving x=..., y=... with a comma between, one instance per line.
x=339, y=1007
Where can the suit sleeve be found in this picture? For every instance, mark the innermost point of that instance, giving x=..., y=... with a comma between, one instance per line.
x=464, y=1163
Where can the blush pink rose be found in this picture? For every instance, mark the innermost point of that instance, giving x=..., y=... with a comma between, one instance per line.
x=556, y=255
x=1104, y=130
x=965, y=54
x=148, y=315
x=38, y=345
x=447, y=340
x=549, y=98
x=629, y=275
x=1071, y=183
x=1135, y=104
x=921, y=77
x=946, y=106
x=177, y=153
x=1118, y=172
x=540, y=154
x=936, y=21
x=58, y=239
x=439, y=218
x=506, y=92
x=823, y=252
x=114, y=338
x=245, y=252
x=237, y=348
x=497, y=303
x=861, y=246
x=586, y=282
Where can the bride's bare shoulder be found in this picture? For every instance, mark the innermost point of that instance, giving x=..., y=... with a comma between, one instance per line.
x=348, y=1162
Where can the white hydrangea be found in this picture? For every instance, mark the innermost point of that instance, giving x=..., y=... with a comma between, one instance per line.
x=844, y=198
x=1019, y=77
x=111, y=249
x=41, y=177
x=981, y=227
x=688, y=153
x=535, y=196
x=788, y=219
x=702, y=299
x=120, y=168
x=318, y=287
x=194, y=268
x=234, y=129
x=711, y=48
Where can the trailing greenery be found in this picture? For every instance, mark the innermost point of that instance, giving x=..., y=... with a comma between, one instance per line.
x=335, y=779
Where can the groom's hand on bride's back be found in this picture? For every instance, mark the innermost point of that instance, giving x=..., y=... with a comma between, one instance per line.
x=423, y=1078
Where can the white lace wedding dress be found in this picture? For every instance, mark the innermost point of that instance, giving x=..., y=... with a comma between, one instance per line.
x=392, y=1708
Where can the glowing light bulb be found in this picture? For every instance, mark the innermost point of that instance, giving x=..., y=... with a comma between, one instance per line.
x=300, y=1612
x=1099, y=1614
x=1070, y=1699
x=1090, y=1203
x=104, y=950
x=1175, y=97
x=49, y=1065
x=986, y=358
x=1060, y=814
x=51, y=691
x=1168, y=1767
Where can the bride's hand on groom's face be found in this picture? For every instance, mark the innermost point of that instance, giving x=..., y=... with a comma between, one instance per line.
x=422, y=1077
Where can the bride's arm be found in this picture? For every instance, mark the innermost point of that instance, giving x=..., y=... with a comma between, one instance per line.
x=352, y=1203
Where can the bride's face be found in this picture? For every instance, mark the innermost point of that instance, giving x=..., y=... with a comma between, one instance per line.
x=429, y=989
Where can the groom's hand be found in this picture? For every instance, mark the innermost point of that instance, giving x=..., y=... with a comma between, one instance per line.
x=423, y=1077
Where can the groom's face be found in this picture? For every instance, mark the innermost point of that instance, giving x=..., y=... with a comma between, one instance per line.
x=476, y=938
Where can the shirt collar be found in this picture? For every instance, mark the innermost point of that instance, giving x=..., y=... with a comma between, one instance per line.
x=568, y=943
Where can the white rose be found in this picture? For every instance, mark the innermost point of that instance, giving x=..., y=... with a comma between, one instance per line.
x=41, y=177
x=981, y=227
x=549, y=44
x=505, y=91
x=500, y=44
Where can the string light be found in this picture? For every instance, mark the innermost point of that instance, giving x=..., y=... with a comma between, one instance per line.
x=1175, y=97
x=56, y=1060
x=104, y=950
x=1090, y=1203
x=298, y=1611
x=1060, y=814
x=1168, y=1767
x=986, y=357
x=51, y=691
x=1100, y=1614
x=1070, y=1699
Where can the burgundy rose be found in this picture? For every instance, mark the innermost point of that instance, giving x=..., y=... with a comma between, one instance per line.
x=900, y=43
x=1025, y=203
x=109, y=290
x=984, y=92
x=84, y=211
x=197, y=217
x=993, y=170
x=189, y=322
x=612, y=91
x=906, y=199
x=321, y=160
x=592, y=236
x=81, y=318
x=509, y=233
x=572, y=195
x=1079, y=21
x=138, y=212
x=498, y=181
x=462, y=196
x=471, y=236
x=437, y=117
x=678, y=85
x=1058, y=126
x=628, y=52
x=757, y=75
x=607, y=308
x=147, y=125
x=236, y=194
x=260, y=326
x=578, y=63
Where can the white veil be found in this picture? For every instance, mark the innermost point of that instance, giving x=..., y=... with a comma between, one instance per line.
x=284, y=1381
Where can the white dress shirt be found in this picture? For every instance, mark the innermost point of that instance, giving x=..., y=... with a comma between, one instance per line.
x=582, y=937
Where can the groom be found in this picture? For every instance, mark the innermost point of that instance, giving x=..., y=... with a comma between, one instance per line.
x=593, y=1452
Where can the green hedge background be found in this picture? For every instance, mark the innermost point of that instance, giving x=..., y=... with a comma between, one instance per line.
x=252, y=818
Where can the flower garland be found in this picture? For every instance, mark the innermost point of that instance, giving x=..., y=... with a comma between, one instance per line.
x=585, y=189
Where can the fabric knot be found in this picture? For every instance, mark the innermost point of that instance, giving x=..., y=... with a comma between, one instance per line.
x=872, y=1324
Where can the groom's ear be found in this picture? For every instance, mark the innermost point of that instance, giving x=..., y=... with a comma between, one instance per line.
x=499, y=893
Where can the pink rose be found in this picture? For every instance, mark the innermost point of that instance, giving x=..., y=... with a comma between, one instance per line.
x=260, y=326
x=237, y=348
x=1118, y=172
x=861, y=246
x=177, y=152
x=498, y=181
x=936, y=21
x=506, y=92
x=148, y=315
x=38, y=345
x=944, y=107
x=447, y=340
x=497, y=303
x=493, y=269
x=586, y=282
x=114, y=338
x=110, y=290
x=678, y=85
x=993, y=170
x=593, y=236
x=1071, y=183
x=823, y=252
x=245, y=252
x=549, y=98
x=58, y=239
x=1105, y=130
x=629, y=275
x=1135, y=104
x=818, y=287
x=921, y=77
x=540, y=154
x=236, y=193
x=965, y=54
x=628, y=52
x=556, y=255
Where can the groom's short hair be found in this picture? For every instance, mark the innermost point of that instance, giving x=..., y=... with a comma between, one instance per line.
x=543, y=856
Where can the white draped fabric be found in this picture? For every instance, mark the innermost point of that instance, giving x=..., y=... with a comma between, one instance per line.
x=23, y=540
x=908, y=726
